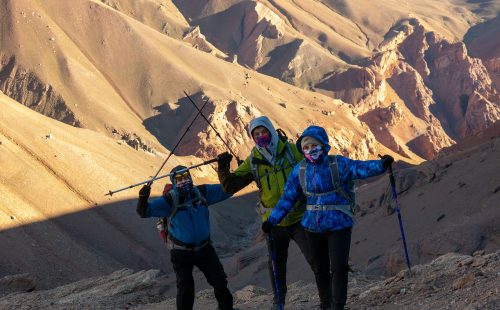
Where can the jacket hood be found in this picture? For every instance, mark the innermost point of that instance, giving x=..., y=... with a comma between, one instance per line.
x=316, y=132
x=264, y=121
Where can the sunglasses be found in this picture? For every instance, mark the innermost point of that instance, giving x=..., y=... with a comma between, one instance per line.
x=181, y=176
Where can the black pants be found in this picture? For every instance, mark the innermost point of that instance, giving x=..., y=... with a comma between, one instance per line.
x=208, y=262
x=281, y=237
x=330, y=263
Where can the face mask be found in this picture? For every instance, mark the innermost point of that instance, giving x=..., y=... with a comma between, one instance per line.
x=182, y=182
x=263, y=140
x=313, y=154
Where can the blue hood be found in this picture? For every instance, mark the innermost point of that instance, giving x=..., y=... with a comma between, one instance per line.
x=318, y=133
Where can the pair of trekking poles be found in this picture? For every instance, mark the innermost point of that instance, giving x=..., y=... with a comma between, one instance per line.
x=156, y=177
x=268, y=236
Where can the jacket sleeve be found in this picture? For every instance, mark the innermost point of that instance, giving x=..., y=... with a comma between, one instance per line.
x=291, y=194
x=158, y=207
x=213, y=193
x=240, y=178
x=358, y=169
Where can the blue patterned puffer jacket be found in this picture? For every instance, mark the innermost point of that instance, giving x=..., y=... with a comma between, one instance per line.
x=318, y=180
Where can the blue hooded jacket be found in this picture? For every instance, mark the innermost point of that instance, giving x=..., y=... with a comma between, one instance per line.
x=190, y=226
x=319, y=180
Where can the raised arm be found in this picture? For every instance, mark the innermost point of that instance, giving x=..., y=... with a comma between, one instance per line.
x=240, y=178
x=158, y=207
x=291, y=194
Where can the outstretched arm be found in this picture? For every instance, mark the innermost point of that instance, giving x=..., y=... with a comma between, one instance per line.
x=213, y=193
x=291, y=194
x=358, y=169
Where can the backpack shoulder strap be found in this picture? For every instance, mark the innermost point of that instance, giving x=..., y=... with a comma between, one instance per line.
x=289, y=154
x=175, y=207
x=302, y=175
x=255, y=168
x=334, y=171
x=199, y=196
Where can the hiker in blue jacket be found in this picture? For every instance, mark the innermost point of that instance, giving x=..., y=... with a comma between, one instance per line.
x=186, y=208
x=328, y=218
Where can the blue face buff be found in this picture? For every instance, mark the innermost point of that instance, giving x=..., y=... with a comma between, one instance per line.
x=313, y=154
x=263, y=140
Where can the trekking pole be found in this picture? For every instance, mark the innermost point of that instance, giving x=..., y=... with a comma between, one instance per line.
x=178, y=142
x=270, y=241
x=216, y=132
x=395, y=197
x=110, y=193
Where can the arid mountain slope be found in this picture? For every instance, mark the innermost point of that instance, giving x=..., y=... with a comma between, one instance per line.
x=114, y=74
x=108, y=66
x=51, y=172
x=422, y=91
x=55, y=221
x=381, y=72
x=482, y=42
x=447, y=205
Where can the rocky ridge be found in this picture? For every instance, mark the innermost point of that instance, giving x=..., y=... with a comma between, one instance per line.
x=451, y=281
x=444, y=94
x=27, y=88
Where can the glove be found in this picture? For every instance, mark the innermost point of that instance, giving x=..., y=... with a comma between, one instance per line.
x=223, y=160
x=142, y=203
x=144, y=192
x=387, y=160
x=266, y=227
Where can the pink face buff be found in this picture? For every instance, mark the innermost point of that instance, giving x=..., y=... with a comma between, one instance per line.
x=263, y=140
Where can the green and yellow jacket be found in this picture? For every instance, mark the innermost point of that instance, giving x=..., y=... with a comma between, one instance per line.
x=269, y=179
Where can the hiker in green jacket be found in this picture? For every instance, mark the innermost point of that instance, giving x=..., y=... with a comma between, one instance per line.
x=269, y=164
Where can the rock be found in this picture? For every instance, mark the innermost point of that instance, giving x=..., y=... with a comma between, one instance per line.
x=199, y=41
x=466, y=261
x=26, y=87
x=393, y=291
x=464, y=281
x=478, y=253
x=249, y=292
x=17, y=283
x=478, y=262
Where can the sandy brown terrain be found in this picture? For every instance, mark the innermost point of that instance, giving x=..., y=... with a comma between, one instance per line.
x=92, y=99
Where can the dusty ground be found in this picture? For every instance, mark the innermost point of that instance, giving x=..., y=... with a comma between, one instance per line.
x=452, y=281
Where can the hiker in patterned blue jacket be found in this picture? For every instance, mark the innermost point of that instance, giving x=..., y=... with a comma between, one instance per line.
x=186, y=207
x=328, y=218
